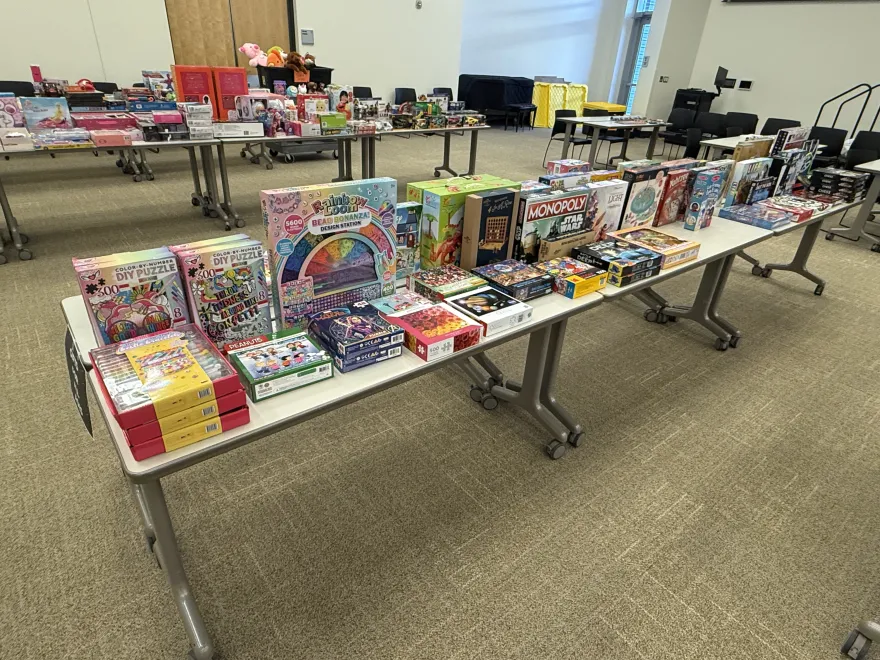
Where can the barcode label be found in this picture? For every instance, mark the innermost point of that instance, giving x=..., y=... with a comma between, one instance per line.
x=205, y=392
x=210, y=428
x=207, y=411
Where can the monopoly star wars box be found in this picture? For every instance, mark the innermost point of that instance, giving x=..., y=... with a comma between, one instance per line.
x=573, y=278
x=341, y=235
x=354, y=329
x=492, y=309
x=278, y=362
x=643, y=199
x=550, y=217
x=674, y=250
x=488, y=226
x=517, y=279
x=439, y=283
x=438, y=331
x=619, y=258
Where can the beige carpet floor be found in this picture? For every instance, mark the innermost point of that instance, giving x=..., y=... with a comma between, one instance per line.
x=721, y=507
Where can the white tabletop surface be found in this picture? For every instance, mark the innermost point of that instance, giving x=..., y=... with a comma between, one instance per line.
x=605, y=122
x=354, y=136
x=818, y=217
x=721, y=238
x=286, y=410
x=163, y=144
x=731, y=142
x=873, y=167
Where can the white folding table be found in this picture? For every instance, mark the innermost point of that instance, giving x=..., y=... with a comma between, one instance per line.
x=864, y=220
x=598, y=124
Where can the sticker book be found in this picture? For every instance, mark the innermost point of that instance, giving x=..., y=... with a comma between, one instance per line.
x=492, y=309
x=438, y=331
x=341, y=235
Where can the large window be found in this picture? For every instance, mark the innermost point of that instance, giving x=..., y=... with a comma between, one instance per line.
x=635, y=57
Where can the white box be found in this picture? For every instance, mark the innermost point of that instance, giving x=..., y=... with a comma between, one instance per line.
x=196, y=109
x=16, y=139
x=201, y=133
x=494, y=310
x=238, y=129
x=610, y=195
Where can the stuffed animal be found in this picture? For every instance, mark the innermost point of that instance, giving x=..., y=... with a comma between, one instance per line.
x=295, y=62
x=275, y=56
x=256, y=56
x=309, y=60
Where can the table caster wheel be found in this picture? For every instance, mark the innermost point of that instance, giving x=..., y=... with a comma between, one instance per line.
x=829, y=236
x=3, y=259
x=25, y=255
x=137, y=178
x=24, y=238
x=273, y=153
x=819, y=290
x=757, y=270
x=489, y=402
x=576, y=439
x=672, y=319
x=766, y=272
x=206, y=212
x=335, y=155
x=721, y=344
x=269, y=166
x=255, y=159
x=119, y=162
x=555, y=450
x=213, y=214
x=875, y=247
x=239, y=222
x=195, y=201
x=437, y=173
x=151, y=177
x=243, y=153
x=856, y=646
x=652, y=316
x=476, y=394
x=288, y=158
x=734, y=341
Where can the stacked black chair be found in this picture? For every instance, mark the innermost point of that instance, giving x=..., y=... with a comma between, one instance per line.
x=833, y=139
x=692, y=142
x=557, y=133
x=773, y=125
x=864, y=148
x=17, y=87
x=681, y=119
x=404, y=95
x=747, y=122
x=362, y=92
x=712, y=124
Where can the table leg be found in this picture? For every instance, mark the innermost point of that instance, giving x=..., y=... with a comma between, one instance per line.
x=653, y=141
x=557, y=337
x=857, y=230
x=472, y=160
x=143, y=165
x=226, y=204
x=17, y=238
x=365, y=157
x=798, y=264
x=198, y=199
x=566, y=142
x=340, y=160
x=594, y=146
x=373, y=141
x=146, y=520
x=169, y=556
x=445, y=166
x=212, y=195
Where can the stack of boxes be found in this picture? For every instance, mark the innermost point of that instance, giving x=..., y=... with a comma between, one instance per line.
x=843, y=184
x=199, y=120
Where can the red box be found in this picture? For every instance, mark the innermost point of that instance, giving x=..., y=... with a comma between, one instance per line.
x=438, y=331
x=672, y=201
x=194, y=84
x=227, y=422
x=94, y=121
x=145, y=433
x=229, y=82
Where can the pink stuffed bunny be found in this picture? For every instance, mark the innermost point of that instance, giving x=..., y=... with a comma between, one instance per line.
x=257, y=56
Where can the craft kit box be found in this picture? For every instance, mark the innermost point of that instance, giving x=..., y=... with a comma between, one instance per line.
x=643, y=198
x=195, y=84
x=408, y=232
x=45, y=113
x=672, y=201
x=439, y=283
x=229, y=82
x=488, y=226
x=341, y=235
x=706, y=190
x=517, y=279
x=171, y=427
x=202, y=430
x=277, y=362
x=675, y=251
x=10, y=112
x=619, y=258
x=550, y=217
x=492, y=309
x=573, y=278
x=569, y=165
x=438, y=331
x=353, y=329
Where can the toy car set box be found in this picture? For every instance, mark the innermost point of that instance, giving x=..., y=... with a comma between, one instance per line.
x=675, y=251
x=522, y=281
x=492, y=309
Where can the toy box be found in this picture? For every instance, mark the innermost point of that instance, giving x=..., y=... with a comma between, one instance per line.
x=610, y=195
x=438, y=331
x=517, y=279
x=550, y=217
x=643, y=198
x=204, y=429
x=528, y=188
x=705, y=192
x=333, y=123
x=160, y=83
x=724, y=167
x=309, y=106
x=171, y=427
x=748, y=149
x=16, y=139
x=340, y=99
x=488, y=226
x=162, y=375
x=786, y=167
x=801, y=209
x=195, y=84
x=570, y=165
x=303, y=129
x=492, y=309
x=45, y=113
x=226, y=290
x=277, y=362
x=743, y=171
x=675, y=251
x=442, y=215
x=132, y=296
x=229, y=83
x=399, y=303
x=238, y=129
x=415, y=190
x=562, y=247
x=636, y=164
x=616, y=279
x=619, y=258
x=10, y=113
x=150, y=106
x=789, y=138
x=345, y=365
x=339, y=234
x=672, y=201
x=573, y=278
x=354, y=329
x=407, y=230
x=759, y=189
x=110, y=138
x=443, y=281
x=756, y=215
x=565, y=181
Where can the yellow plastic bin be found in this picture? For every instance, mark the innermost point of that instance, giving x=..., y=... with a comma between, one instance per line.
x=612, y=108
x=575, y=97
x=548, y=97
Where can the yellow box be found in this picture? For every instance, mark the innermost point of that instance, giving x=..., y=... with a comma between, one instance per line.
x=602, y=105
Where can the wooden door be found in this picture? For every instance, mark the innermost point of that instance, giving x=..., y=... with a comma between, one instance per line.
x=201, y=32
x=263, y=23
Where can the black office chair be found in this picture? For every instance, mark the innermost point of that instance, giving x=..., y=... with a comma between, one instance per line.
x=444, y=91
x=681, y=119
x=404, y=95
x=557, y=133
x=833, y=139
x=693, y=138
x=733, y=131
x=106, y=87
x=611, y=137
x=713, y=124
x=362, y=92
x=773, y=125
x=747, y=122
x=856, y=157
x=866, y=140
x=17, y=87
x=140, y=84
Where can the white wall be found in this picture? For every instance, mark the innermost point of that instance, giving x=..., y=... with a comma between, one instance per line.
x=572, y=39
x=385, y=44
x=776, y=45
x=103, y=40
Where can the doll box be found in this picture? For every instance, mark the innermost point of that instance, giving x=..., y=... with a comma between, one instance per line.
x=517, y=279
x=493, y=310
x=573, y=278
x=348, y=364
x=399, y=303
x=167, y=426
x=192, y=434
x=229, y=83
x=619, y=258
x=408, y=232
x=675, y=251
x=45, y=113
x=569, y=165
x=437, y=284
x=339, y=234
x=354, y=329
x=279, y=362
x=438, y=331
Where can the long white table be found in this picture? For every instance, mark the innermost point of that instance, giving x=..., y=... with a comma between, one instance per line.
x=599, y=124
x=865, y=218
x=727, y=144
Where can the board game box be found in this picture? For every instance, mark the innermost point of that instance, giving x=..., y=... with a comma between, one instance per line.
x=745, y=170
x=675, y=251
x=169, y=426
x=635, y=164
x=367, y=358
x=705, y=191
x=618, y=257
x=226, y=290
x=439, y=283
x=400, y=303
x=569, y=165
x=132, y=295
x=786, y=167
x=533, y=188
x=618, y=280
x=517, y=279
x=408, y=217
x=643, y=197
x=573, y=278
x=748, y=149
x=438, y=331
x=341, y=235
x=566, y=181
x=562, y=247
x=550, y=217
x=759, y=189
x=789, y=138
x=802, y=209
x=354, y=329
x=278, y=362
x=610, y=197
x=672, y=201
x=492, y=309
x=488, y=227
x=757, y=215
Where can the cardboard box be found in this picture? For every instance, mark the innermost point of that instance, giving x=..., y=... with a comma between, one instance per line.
x=565, y=181
x=610, y=196
x=10, y=113
x=45, y=113
x=745, y=170
x=493, y=310
x=95, y=121
x=573, y=278
x=304, y=129
x=16, y=139
x=229, y=83
x=110, y=138
x=705, y=192
x=567, y=165
x=238, y=129
x=673, y=201
x=643, y=197
x=408, y=232
x=550, y=217
x=488, y=227
x=333, y=123
x=401, y=302
x=438, y=283
x=618, y=280
x=517, y=279
x=562, y=247
x=619, y=258
x=435, y=332
x=675, y=251
x=194, y=84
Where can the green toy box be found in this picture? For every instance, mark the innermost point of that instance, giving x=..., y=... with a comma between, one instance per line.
x=416, y=189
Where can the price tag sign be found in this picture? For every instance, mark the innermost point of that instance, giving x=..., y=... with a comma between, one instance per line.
x=76, y=371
